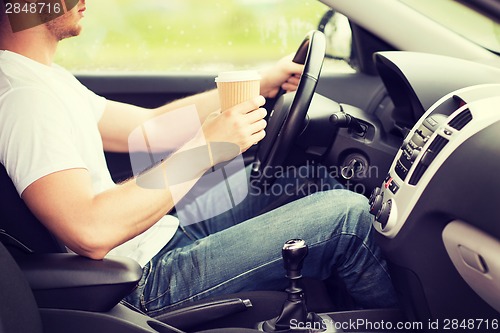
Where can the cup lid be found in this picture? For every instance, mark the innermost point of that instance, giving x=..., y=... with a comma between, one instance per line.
x=237, y=76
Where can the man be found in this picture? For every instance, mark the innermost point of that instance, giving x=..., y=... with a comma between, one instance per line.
x=52, y=135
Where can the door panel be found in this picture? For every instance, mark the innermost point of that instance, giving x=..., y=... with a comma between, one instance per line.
x=147, y=90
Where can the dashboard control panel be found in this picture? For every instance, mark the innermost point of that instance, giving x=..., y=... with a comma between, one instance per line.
x=439, y=133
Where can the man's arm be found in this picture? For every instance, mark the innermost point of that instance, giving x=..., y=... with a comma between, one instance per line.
x=120, y=119
x=93, y=224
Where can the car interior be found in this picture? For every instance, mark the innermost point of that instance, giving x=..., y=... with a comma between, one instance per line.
x=414, y=129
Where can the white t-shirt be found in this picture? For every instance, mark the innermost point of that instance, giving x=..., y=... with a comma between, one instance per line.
x=49, y=123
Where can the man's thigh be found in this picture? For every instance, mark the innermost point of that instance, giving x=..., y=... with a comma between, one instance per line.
x=288, y=185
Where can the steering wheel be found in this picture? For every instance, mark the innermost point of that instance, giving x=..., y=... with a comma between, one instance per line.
x=290, y=109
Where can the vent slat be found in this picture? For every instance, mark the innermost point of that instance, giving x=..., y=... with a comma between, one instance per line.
x=461, y=120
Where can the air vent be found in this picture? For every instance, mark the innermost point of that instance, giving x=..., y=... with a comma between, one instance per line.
x=462, y=119
x=428, y=156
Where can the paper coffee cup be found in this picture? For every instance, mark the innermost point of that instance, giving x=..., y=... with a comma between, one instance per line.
x=237, y=87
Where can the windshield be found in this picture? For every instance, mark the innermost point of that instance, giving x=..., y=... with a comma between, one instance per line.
x=472, y=24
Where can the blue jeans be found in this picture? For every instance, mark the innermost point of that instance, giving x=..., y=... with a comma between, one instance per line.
x=239, y=251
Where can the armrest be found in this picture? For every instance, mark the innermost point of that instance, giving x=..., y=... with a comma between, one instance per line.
x=69, y=281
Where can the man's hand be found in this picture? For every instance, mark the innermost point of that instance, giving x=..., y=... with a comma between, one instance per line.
x=242, y=125
x=285, y=74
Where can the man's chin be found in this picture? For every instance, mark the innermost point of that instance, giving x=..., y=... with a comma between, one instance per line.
x=61, y=35
x=77, y=31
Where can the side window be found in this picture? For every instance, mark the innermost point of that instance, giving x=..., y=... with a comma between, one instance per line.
x=188, y=35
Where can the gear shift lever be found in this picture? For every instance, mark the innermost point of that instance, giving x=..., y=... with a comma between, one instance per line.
x=294, y=252
x=294, y=310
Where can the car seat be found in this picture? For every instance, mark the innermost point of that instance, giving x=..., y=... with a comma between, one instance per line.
x=20, y=230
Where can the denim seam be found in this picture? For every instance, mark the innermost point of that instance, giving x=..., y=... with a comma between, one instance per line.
x=366, y=247
x=191, y=237
x=143, y=286
x=364, y=243
x=157, y=297
x=375, y=257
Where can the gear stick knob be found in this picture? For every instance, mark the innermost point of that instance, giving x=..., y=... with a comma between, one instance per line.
x=294, y=252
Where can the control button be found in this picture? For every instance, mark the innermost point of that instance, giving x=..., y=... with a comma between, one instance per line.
x=361, y=131
x=393, y=187
x=383, y=214
x=418, y=138
x=427, y=157
x=414, y=154
x=431, y=121
x=409, y=150
x=406, y=161
x=406, y=146
x=401, y=171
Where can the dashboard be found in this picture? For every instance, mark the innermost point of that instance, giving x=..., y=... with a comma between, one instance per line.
x=415, y=81
x=435, y=213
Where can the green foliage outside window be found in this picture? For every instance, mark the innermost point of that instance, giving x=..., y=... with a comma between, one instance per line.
x=188, y=35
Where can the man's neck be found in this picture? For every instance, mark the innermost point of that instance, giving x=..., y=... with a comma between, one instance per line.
x=34, y=43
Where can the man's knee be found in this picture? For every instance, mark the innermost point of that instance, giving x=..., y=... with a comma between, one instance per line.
x=358, y=219
x=351, y=209
x=347, y=199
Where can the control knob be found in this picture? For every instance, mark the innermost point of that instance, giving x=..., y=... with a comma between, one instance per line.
x=383, y=214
